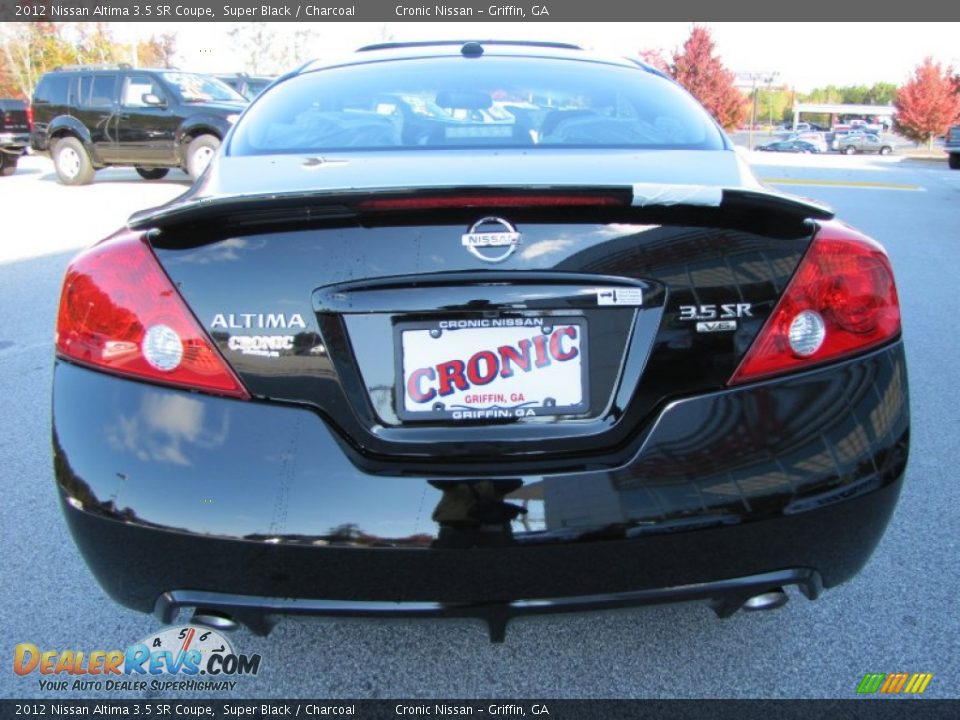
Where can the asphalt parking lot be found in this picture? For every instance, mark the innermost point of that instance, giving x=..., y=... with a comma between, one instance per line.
x=899, y=615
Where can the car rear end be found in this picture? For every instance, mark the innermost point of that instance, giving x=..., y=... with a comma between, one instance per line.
x=15, y=125
x=953, y=147
x=485, y=379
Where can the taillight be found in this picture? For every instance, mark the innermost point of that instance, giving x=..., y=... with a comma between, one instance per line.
x=842, y=300
x=119, y=312
x=30, y=116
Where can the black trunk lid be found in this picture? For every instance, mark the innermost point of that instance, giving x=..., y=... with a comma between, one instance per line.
x=311, y=305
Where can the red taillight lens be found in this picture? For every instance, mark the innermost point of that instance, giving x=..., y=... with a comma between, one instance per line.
x=30, y=116
x=842, y=300
x=119, y=312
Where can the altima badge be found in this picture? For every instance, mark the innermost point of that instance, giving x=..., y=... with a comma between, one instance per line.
x=483, y=235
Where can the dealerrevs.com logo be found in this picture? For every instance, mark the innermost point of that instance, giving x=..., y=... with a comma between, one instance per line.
x=178, y=658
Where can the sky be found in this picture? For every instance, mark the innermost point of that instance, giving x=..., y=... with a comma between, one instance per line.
x=805, y=55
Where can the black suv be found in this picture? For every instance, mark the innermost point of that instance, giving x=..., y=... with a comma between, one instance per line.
x=14, y=133
x=89, y=117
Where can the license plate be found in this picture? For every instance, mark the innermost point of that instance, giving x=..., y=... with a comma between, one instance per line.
x=492, y=368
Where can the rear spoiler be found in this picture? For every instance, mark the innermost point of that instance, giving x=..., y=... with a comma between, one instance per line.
x=256, y=211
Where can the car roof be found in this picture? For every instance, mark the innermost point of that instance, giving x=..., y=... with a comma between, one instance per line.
x=382, y=52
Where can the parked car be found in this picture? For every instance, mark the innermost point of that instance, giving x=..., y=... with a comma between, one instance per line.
x=817, y=139
x=485, y=371
x=860, y=142
x=803, y=127
x=14, y=133
x=790, y=146
x=247, y=85
x=789, y=128
x=867, y=127
x=952, y=146
x=91, y=117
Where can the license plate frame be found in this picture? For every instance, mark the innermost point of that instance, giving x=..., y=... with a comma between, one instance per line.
x=498, y=401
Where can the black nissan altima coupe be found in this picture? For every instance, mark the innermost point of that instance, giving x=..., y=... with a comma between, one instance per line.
x=477, y=329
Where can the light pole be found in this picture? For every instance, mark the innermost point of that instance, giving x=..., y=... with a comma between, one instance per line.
x=752, y=78
x=769, y=81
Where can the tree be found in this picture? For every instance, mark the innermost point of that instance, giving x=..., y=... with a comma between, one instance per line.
x=699, y=71
x=775, y=103
x=882, y=93
x=830, y=94
x=928, y=104
x=28, y=51
x=297, y=50
x=94, y=44
x=654, y=58
x=157, y=51
x=271, y=49
x=254, y=41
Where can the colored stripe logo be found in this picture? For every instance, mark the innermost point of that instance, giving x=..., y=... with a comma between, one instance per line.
x=894, y=683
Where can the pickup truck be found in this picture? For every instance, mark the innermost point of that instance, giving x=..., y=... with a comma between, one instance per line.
x=14, y=133
x=859, y=142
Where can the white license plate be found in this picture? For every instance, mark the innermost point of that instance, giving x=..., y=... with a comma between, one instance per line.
x=492, y=368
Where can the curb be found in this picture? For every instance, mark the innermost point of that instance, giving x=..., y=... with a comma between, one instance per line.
x=926, y=158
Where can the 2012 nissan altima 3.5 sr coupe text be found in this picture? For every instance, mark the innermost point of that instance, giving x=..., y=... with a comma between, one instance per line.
x=477, y=329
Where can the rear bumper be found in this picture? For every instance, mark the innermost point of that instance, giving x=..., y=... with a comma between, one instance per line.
x=14, y=143
x=177, y=499
x=259, y=613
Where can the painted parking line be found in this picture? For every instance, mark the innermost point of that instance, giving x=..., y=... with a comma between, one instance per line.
x=857, y=184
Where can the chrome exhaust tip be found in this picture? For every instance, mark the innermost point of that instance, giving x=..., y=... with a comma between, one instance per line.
x=768, y=600
x=214, y=621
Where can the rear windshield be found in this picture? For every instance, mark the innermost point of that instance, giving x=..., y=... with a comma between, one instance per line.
x=471, y=102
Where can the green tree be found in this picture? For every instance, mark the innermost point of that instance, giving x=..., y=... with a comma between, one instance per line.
x=830, y=94
x=880, y=93
x=775, y=103
x=883, y=93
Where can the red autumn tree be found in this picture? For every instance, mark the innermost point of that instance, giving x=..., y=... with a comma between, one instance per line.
x=928, y=104
x=654, y=58
x=697, y=68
